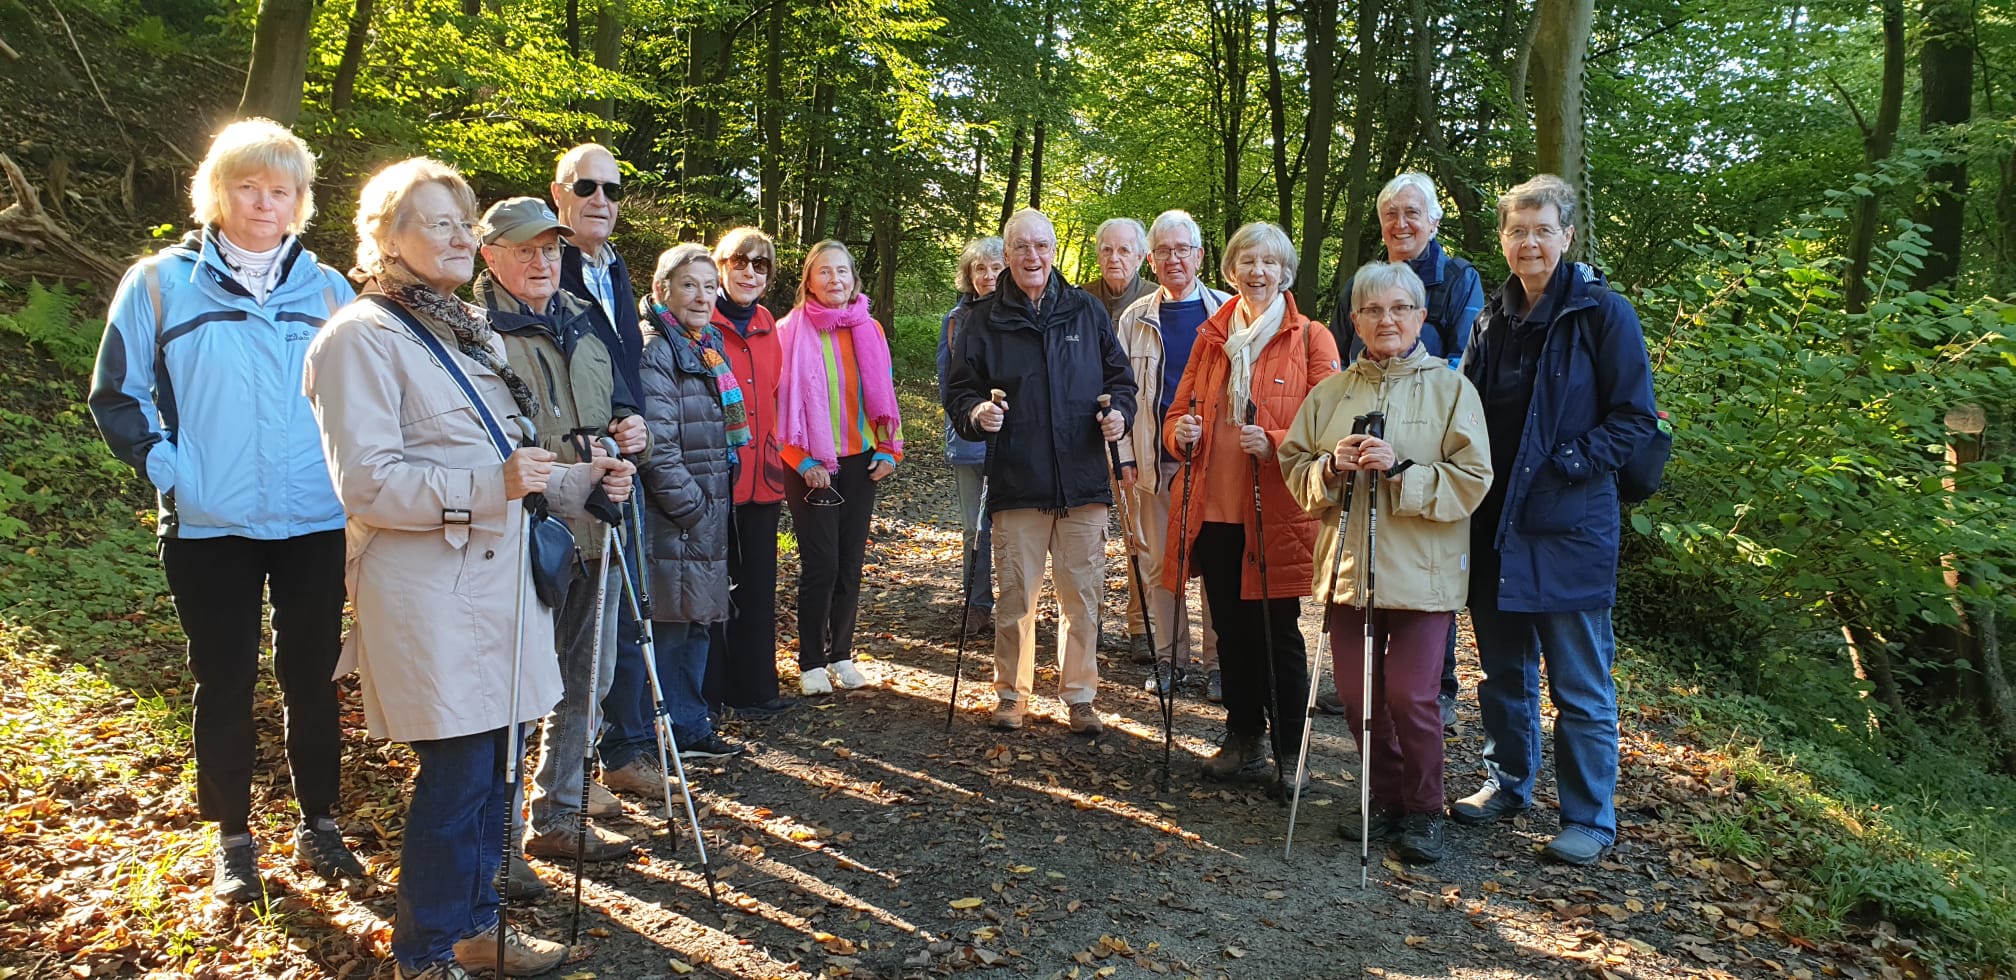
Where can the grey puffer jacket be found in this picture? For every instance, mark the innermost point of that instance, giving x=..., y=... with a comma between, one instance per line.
x=686, y=484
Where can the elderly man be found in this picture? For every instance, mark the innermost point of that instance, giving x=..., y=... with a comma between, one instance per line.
x=1409, y=215
x=1122, y=244
x=587, y=186
x=1050, y=348
x=558, y=344
x=1157, y=331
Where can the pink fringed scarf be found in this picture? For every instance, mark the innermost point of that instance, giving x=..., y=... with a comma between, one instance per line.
x=804, y=417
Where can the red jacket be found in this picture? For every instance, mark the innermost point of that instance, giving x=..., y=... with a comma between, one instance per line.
x=758, y=360
x=1301, y=354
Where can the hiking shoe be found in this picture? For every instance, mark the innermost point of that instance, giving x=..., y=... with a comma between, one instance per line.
x=602, y=844
x=1283, y=787
x=714, y=746
x=1329, y=703
x=1421, y=838
x=318, y=843
x=1382, y=824
x=524, y=956
x=521, y=883
x=847, y=676
x=638, y=777
x=978, y=620
x=1085, y=720
x=1214, y=686
x=814, y=681
x=1238, y=757
x=1487, y=805
x=757, y=712
x=1573, y=845
x=444, y=970
x=1138, y=650
x=1008, y=715
x=1163, y=680
x=601, y=802
x=236, y=878
x=1451, y=725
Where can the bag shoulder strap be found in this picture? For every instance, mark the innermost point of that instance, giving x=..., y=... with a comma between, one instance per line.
x=441, y=356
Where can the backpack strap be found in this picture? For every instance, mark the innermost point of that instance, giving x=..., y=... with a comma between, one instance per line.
x=151, y=276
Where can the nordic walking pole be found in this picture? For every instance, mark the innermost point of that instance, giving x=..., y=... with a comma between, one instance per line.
x=1182, y=648
x=1375, y=426
x=1163, y=691
x=639, y=594
x=528, y=437
x=1266, y=614
x=1316, y=662
x=611, y=519
x=968, y=553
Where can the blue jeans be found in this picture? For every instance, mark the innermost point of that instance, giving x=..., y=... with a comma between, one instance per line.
x=682, y=668
x=1579, y=651
x=453, y=845
x=557, y=804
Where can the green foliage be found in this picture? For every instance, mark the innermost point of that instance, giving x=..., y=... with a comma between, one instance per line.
x=47, y=320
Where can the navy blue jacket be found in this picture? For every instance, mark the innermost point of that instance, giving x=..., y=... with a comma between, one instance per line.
x=1555, y=540
x=1053, y=364
x=1455, y=294
x=621, y=333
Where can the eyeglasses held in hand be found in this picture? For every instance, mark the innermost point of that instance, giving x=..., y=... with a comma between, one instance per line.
x=832, y=498
x=761, y=263
x=584, y=187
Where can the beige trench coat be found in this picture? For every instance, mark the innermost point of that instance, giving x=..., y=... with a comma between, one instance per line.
x=434, y=600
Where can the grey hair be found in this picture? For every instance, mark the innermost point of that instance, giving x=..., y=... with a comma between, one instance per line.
x=1026, y=216
x=679, y=256
x=1176, y=219
x=1140, y=233
x=1263, y=236
x=1374, y=278
x=977, y=251
x=569, y=165
x=1417, y=182
x=1538, y=193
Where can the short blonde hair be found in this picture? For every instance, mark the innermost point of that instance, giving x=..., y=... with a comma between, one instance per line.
x=382, y=204
x=1265, y=237
x=247, y=147
x=812, y=255
x=746, y=241
x=977, y=251
x=677, y=257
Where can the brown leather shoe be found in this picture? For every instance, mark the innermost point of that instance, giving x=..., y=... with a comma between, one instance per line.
x=1008, y=715
x=1085, y=720
x=602, y=844
x=524, y=955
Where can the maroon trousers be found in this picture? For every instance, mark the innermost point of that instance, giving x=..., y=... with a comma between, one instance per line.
x=1406, y=720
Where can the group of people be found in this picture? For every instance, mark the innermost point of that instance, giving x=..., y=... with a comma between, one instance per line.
x=424, y=456
x=513, y=494
x=1463, y=455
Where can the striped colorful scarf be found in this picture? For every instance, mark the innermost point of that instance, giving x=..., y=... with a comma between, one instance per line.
x=706, y=343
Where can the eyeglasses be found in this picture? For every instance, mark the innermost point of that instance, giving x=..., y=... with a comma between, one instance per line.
x=832, y=498
x=1176, y=252
x=524, y=254
x=1398, y=311
x=760, y=263
x=1032, y=248
x=613, y=190
x=446, y=229
x=1541, y=234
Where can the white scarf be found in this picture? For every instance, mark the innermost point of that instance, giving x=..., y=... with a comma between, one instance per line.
x=258, y=272
x=1243, y=344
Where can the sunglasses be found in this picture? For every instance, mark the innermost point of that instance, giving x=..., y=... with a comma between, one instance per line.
x=760, y=263
x=613, y=190
x=832, y=498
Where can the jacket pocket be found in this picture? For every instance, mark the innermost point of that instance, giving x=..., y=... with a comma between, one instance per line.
x=1553, y=505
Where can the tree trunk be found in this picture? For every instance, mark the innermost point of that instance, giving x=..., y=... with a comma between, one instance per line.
x=1319, y=25
x=1876, y=146
x=1358, y=163
x=1036, y=166
x=1428, y=110
x=345, y=84
x=1014, y=179
x=812, y=202
x=472, y=8
x=1560, y=45
x=887, y=227
x=1520, y=122
x=771, y=112
x=1277, y=119
x=609, y=56
x=1946, y=80
x=698, y=154
x=574, y=29
x=979, y=172
x=1231, y=41
x=279, y=61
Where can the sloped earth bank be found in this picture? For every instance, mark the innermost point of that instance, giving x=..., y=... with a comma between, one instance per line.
x=857, y=838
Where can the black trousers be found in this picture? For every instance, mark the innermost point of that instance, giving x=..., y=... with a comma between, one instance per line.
x=832, y=543
x=1242, y=647
x=220, y=587
x=742, y=665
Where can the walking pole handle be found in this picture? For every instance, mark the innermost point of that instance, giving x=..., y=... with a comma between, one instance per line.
x=996, y=395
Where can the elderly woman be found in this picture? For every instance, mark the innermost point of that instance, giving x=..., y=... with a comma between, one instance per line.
x=979, y=270
x=198, y=387
x=1253, y=363
x=1426, y=473
x=1410, y=213
x=414, y=397
x=1559, y=361
x=742, y=667
x=841, y=434
x=694, y=406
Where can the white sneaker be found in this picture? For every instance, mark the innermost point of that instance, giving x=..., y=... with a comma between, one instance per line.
x=847, y=676
x=815, y=681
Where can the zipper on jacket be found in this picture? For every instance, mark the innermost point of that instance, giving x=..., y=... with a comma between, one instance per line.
x=552, y=387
